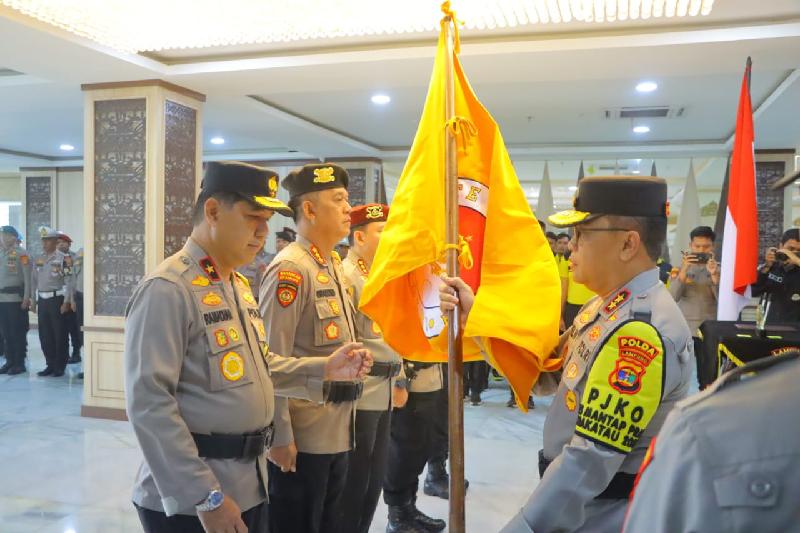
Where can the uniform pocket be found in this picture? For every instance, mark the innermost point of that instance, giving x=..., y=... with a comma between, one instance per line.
x=328, y=327
x=230, y=369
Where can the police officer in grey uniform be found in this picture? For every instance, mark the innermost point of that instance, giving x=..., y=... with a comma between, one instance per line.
x=15, y=299
x=383, y=388
x=200, y=377
x=626, y=359
x=728, y=459
x=255, y=269
x=73, y=324
x=52, y=278
x=307, y=313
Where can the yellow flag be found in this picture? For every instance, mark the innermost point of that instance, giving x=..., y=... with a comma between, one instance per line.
x=504, y=255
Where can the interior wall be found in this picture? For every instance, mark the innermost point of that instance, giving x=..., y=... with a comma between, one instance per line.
x=69, y=205
x=10, y=187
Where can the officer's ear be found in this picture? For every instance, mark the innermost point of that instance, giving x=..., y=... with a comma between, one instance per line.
x=631, y=245
x=359, y=236
x=211, y=209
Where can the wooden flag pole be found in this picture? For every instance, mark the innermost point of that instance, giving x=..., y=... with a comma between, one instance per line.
x=455, y=364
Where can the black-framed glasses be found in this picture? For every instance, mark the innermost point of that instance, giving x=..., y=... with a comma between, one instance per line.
x=578, y=230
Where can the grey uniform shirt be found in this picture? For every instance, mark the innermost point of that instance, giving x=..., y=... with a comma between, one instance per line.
x=308, y=314
x=626, y=364
x=15, y=274
x=77, y=270
x=697, y=297
x=197, y=361
x=728, y=459
x=254, y=270
x=53, y=272
x=377, y=395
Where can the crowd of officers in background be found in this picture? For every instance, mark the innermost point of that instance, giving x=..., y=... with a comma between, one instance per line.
x=50, y=285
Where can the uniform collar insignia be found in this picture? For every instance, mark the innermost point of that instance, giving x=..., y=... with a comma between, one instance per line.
x=617, y=301
x=362, y=266
x=210, y=268
x=314, y=251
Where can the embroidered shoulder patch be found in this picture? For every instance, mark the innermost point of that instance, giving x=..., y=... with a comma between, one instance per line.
x=624, y=387
x=212, y=299
x=288, y=285
x=201, y=281
x=332, y=331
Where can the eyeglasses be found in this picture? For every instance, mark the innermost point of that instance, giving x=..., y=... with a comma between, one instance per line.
x=578, y=230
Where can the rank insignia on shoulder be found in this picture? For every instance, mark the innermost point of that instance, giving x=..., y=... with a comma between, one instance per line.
x=201, y=281
x=248, y=297
x=212, y=299
x=621, y=297
x=332, y=331
x=323, y=278
x=210, y=268
x=234, y=334
x=314, y=251
x=232, y=366
x=335, y=309
x=221, y=338
x=571, y=401
x=362, y=266
x=594, y=333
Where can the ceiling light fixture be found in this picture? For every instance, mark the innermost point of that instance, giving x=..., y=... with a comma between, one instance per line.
x=573, y=188
x=66, y=147
x=647, y=86
x=641, y=129
x=217, y=140
x=380, y=99
x=149, y=25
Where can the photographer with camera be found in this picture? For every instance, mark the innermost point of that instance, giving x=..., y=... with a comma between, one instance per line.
x=778, y=281
x=695, y=286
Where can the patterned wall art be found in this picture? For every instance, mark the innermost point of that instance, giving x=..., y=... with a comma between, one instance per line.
x=179, y=175
x=770, y=204
x=38, y=211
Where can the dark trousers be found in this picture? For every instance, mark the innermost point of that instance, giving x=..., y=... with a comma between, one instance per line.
x=475, y=375
x=410, y=446
x=440, y=443
x=158, y=522
x=73, y=321
x=307, y=501
x=53, y=332
x=11, y=322
x=365, y=469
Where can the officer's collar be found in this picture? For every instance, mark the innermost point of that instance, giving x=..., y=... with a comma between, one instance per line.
x=319, y=256
x=196, y=252
x=359, y=261
x=622, y=296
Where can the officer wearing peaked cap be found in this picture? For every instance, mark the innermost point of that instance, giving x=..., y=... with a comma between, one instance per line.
x=728, y=459
x=199, y=375
x=626, y=359
x=15, y=298
x=307, y=312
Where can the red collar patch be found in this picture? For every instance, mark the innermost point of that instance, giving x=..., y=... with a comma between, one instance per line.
x=210, y=268
x=621, y=297
x=314, y=251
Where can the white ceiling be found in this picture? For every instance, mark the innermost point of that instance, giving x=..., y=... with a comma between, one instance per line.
x=547, y=86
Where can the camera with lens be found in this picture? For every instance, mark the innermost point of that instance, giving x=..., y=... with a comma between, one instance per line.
x=780, y=256
x=701, y=257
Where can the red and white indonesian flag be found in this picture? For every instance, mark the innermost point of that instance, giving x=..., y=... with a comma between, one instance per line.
x=740, y=239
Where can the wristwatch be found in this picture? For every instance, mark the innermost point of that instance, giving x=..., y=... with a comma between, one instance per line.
x=212, y=501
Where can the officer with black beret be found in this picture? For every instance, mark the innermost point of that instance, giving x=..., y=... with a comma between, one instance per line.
x=200, y=378
x=627, y=358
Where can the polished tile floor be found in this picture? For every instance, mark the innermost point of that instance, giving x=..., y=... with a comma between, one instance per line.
x=60, y=473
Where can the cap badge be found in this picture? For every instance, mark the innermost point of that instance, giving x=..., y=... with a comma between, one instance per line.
x=375, y=211
x=323, y=175
x=273, y=186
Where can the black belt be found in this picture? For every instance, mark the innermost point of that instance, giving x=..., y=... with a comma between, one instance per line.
x=385, y=370
x=225, y=446
x=343, y=391
x=619, y=488
x=11, y=290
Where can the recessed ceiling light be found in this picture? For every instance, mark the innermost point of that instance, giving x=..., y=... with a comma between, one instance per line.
x=635, y=171
x=647, y=86
x=641, y=129
x=573, y=188
x=380, y=99
x=66, y=147
x=217, y=140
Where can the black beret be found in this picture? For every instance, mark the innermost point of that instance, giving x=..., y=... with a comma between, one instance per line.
x=315, y=177
x=257, y=184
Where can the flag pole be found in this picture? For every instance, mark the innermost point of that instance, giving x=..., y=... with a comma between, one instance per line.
x=455, y=364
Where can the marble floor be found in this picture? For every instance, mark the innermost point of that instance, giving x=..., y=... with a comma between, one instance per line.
x=60, y=473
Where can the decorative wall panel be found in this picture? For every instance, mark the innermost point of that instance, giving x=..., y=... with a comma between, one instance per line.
x=119, y=202
x=38, y=211
x=179, y=174
x=357, y=187
x=770, y=204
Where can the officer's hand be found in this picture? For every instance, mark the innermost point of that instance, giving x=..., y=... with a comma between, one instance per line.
x=399, y=397
x=26, y=303
x=793, y=259
x=769, y=259
x=284, y=457
x=74, y=307
x=350, y=362
x=712, y=266
x=64, y=308
x=227, y=518
x=454, y=292
x=33, y=307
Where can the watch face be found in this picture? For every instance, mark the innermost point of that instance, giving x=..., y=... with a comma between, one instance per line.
x=216, y=498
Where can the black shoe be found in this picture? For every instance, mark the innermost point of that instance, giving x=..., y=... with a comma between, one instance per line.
x=5, y=368
x=57, y=373
x=76, y=358
x=437, y=482
x=80, y=375
x=402, y=519
x=46, y=372
x=17, y=370
x=426, y=522
x=476, y=401
x=512, y=402
x=530, y=403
